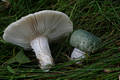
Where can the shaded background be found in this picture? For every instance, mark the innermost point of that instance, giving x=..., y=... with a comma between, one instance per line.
x=101, y=17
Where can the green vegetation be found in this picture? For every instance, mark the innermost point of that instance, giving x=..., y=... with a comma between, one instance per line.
x=100, y=17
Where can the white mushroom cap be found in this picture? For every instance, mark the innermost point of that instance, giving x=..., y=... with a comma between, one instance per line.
x=35, y=30
x=51, y=24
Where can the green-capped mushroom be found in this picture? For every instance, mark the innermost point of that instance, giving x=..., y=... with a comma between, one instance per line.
x=84, y=42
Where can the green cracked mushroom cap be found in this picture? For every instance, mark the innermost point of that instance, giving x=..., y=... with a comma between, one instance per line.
x=85, y=41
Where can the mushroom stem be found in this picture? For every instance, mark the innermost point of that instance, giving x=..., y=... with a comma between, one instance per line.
x=41, y=48
x=77, y=54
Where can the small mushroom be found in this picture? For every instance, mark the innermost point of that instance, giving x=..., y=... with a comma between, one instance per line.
x=84, y=42
x=35, y=30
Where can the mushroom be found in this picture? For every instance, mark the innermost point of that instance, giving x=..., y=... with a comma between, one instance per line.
x=35, y=30
x=84, y=42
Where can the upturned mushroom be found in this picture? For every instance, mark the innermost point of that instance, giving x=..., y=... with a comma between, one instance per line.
x=35, y=30
x=84, y=42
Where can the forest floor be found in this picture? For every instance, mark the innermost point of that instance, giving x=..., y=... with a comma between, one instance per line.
x=100, y=17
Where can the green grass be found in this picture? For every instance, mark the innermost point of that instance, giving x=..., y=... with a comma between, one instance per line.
x=101, y=17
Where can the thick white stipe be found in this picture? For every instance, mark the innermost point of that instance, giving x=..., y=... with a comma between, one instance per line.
x=41, y=48
x=77, y=55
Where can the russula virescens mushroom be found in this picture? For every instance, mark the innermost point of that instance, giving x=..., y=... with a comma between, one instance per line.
x=84, y=42
x=35, y=30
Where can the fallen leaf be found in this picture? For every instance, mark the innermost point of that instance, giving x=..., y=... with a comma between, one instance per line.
x=20, y=58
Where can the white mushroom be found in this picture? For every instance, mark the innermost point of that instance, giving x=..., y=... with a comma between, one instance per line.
x=35, y=30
